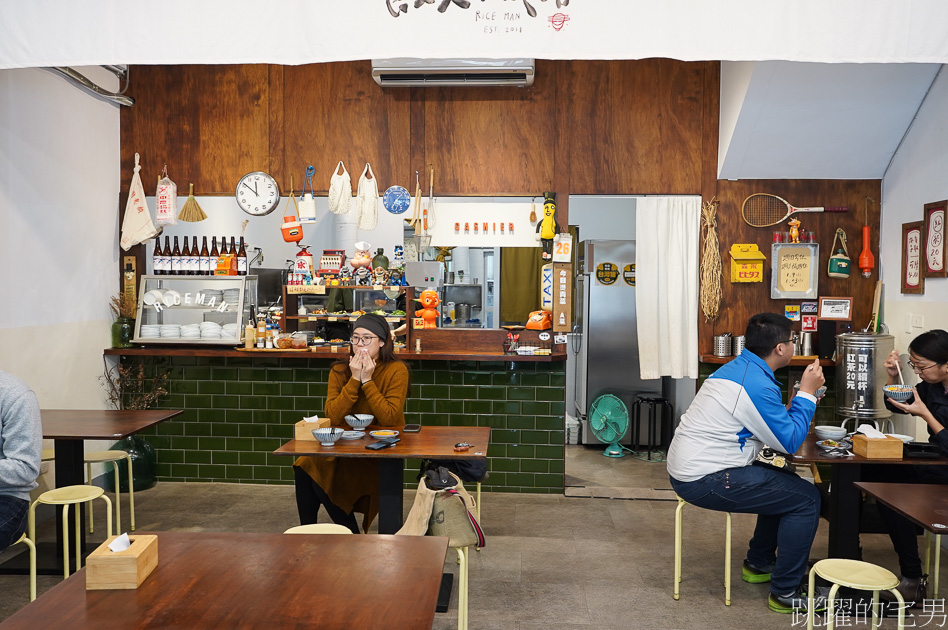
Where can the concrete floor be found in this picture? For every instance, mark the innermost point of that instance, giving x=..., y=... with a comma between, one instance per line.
x=551, y=562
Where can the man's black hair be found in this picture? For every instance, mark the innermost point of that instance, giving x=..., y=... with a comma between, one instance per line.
x=765, y=331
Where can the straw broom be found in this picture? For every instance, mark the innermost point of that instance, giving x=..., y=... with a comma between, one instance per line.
x=191, y=211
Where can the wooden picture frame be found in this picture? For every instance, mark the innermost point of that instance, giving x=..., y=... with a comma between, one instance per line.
x=838, y=308
x=934, y=262
x=913, y=281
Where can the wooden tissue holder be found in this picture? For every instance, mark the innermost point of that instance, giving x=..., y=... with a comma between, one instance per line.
x=876, y=448
x=304, y=429
x=107, y=569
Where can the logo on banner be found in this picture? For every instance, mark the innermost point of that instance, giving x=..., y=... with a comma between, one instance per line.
x=485, y=15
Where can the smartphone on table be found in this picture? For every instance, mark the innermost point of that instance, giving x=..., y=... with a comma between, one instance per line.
x=412, y=428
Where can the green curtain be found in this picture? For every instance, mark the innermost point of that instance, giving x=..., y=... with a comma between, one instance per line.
x=519, y=283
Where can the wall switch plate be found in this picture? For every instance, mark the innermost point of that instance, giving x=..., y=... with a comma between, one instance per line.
x=908, y=323
x=918, y=321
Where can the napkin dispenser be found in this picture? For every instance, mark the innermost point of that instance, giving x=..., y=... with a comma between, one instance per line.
x=877, y=448
x=107, y=569
x=304, y=428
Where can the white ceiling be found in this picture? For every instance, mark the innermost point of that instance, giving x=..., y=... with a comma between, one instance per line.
x=788, y=120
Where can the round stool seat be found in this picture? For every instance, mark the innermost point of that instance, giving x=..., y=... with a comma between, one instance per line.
x=48, y=454
x=70, y=494
x=100, y=457
x=856, y=574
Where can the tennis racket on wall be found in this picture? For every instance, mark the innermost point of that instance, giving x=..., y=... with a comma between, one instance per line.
x=764, y=210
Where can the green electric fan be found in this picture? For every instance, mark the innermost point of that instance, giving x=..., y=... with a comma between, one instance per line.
x=609, y=421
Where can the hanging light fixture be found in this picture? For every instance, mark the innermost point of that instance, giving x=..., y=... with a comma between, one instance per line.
x=866, y=260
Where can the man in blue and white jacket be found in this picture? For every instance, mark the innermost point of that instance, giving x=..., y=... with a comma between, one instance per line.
x=736, y=412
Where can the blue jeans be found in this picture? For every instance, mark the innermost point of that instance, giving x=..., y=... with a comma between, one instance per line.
x=788, y=510
x=13, y=512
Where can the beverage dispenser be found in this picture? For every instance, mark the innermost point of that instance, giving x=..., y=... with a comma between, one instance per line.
x=861, y=375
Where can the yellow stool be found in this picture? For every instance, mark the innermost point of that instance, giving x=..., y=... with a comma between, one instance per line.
x=319, y=528
x=727, y=552
x=101, y=457
x=929, y=539
x=853, y=574
x=463, y=559
x=66, y=496
x=29, y=543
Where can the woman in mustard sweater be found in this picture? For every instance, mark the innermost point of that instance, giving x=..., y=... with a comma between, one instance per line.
x=372, y=381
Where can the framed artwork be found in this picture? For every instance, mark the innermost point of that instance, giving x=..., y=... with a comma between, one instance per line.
x=912, y=279
x=795, y=271
x=840, y=308
x=934, y=261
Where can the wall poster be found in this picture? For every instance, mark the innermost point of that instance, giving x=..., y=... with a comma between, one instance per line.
x=912, y=279
x=795, y=271
x=934, y=238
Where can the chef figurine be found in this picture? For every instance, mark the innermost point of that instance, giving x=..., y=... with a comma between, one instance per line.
x=548, y=228
x=362, y=257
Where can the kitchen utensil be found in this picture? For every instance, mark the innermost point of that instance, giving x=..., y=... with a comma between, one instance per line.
x=737, y=344
x=533, y=211
x=191, y=211
x=722, y=345
x=462, y=312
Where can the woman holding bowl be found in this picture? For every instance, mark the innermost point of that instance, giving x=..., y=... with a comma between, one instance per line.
x=928, y=358
x=372, y=381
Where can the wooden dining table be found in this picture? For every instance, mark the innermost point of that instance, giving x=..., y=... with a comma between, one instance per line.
x=845, y=497
x=69, y=428
x=924, y=504
x=432, y=442
x=252, y=580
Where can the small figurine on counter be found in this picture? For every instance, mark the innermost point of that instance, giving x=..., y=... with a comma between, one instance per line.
x=398, y=259
x=381, y=276
x=361, y=258
x=345, y=275
x=794, y=224
x=363, y=276
x=547, y=228
x=397, y=277
x=429, y=302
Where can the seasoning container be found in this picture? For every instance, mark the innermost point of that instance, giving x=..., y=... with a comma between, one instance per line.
x=250, y=333
x=417, y=345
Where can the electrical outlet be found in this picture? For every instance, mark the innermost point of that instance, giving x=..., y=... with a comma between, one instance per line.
x=908, y=323
x=918, y=321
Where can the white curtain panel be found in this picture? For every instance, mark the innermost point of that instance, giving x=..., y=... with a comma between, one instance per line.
x=666, y=283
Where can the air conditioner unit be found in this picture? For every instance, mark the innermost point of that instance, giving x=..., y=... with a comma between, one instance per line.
x=408, y=72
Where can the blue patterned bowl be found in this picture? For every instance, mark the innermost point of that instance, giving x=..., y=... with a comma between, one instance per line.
x=359, y=421
x=901, y=393
x=327, y=436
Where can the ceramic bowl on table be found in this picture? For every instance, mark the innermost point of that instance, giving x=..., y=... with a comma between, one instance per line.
x=834, y=445
x=359, y=421
x=327, y=436
x=829, y=432
x=900, y=393
x=819, y=392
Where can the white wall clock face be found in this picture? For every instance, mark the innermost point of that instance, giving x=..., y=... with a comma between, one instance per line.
x=258, y=193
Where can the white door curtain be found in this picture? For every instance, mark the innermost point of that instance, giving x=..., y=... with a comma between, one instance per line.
x=666, y=281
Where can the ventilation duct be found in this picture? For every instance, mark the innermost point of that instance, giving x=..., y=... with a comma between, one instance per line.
x=408, y=72
x=89, y=86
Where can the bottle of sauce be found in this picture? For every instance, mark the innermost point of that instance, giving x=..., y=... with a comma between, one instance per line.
x=224, y=245
x=233, y=249
x=186, y=259
x=176, y=259
x=241, y=258
x=166, y=258
x=250, y=334
x=214, y=254
x=195, y=258
x=156, y=257
x=204, y=261
x=261, y=331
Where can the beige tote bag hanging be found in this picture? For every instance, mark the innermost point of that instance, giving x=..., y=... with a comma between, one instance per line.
x=340, y=190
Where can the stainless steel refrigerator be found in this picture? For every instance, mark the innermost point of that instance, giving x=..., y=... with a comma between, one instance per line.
x=604, y=340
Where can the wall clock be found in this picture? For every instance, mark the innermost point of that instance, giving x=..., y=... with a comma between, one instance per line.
x=257, y=193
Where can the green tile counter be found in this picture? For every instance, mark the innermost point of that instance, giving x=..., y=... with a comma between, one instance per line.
x=239, y=409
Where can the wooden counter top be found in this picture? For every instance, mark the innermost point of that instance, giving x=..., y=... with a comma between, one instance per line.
x=405, y=355
x=797, y=361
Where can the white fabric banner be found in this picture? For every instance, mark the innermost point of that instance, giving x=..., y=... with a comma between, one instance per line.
x=38, y=33
x=666, y=291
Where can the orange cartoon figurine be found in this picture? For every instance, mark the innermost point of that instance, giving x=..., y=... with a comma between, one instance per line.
x=429, y=302
x=794, y=224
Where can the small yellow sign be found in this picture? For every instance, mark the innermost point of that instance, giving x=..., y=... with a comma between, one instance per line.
x=747, y=263
x=607, y=272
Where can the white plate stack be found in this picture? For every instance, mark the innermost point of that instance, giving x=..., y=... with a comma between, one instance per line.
x=230, y=331
x=231, y=296
x=170, y=331
x=149, y=331
x=210, y=330
x=210, y=294
x=191, y=331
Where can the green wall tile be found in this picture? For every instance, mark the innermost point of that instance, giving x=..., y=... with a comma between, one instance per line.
x=197, y=457
x=225, y=457
x=502, y=464
x=491, y=393
x=534, y=465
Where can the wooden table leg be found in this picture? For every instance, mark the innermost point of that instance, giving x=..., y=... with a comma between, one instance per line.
x=844, y=511
x=391, y=496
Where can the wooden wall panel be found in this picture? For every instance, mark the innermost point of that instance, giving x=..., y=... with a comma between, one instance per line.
x=636, y=126
x=740, y=301
x=336, y=111
x=492, y=140
x=209, y=124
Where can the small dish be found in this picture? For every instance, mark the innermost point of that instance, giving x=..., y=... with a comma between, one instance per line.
x=352, y=435
x=383, y=433
x=834, y=445
x=906, y=439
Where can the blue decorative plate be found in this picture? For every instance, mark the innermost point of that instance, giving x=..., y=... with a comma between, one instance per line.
x=396, y=199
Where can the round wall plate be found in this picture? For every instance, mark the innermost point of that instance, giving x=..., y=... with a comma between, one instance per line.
x=396, y=199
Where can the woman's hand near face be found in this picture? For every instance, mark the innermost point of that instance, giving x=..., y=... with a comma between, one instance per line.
x=356, y=365
x=916, y=407
x=892, y=366
x=368, y=367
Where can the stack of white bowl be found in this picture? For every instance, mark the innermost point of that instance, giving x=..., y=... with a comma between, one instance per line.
x=191, y=331
x=210, y=294
x=230, y=331
x=210, y=330
x=170, y=331
x=149, y=331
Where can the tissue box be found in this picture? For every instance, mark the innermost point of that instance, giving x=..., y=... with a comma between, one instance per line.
x=107, y=569
x=304, y=429
x=877, y=448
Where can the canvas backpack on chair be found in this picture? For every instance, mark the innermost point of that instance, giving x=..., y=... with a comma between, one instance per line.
x=445, y=512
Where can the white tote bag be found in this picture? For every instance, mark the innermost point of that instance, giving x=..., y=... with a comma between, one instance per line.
x=340, y=190
x=137, y=226
x=367, y=199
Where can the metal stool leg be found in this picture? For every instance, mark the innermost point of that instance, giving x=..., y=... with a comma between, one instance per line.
x=636, y=419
